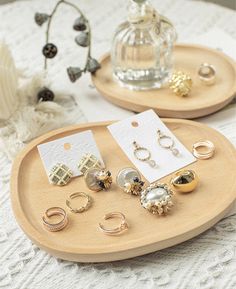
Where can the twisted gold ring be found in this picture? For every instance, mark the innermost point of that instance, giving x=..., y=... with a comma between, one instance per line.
x=82, y=208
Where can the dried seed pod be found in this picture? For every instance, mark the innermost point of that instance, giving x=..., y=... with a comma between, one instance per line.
x=93, y=65
x=50, y=50
x=82, y=39
x=80, y=24
x=45, y=94
x=74, y=73
x=40, y=18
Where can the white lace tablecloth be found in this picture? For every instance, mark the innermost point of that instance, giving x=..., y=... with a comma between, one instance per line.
x=207, y=261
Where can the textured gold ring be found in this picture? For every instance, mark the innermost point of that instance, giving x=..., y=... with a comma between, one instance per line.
x=82, y=208
x=203, y=149
x=54, y=227
x=117, y=230
x=180, y=83
x=184, y=181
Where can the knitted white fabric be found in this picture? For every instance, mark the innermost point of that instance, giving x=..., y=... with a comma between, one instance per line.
x=205, y=262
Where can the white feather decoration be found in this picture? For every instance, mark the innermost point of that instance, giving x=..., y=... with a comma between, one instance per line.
x=8, y=83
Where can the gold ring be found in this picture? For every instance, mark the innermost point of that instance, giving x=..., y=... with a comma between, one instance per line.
x=54, y=227
x=184, y=181
x=203, y=149
x=117, y=230
x=207, y=73
x=82, y=208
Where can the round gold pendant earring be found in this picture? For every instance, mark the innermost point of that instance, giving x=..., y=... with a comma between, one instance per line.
x=143, y=154
x=167, y=142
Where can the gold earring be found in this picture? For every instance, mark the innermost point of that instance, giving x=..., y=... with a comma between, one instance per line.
x=167, y=142
x=60, y=175
x=98, y=179
x=129, y=180
x=184, y=181
x=180, y=83
x=143, y=154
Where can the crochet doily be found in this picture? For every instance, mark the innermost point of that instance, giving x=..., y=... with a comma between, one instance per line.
x=207, y=261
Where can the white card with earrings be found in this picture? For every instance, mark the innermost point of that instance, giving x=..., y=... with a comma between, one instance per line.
x=69, y=151
x=154, y=150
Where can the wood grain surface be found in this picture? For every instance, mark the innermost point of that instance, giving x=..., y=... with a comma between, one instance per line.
x=81, y=240
x=203, y=100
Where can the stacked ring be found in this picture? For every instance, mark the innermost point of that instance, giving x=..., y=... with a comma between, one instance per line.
x=206, y=153
x=54, y=227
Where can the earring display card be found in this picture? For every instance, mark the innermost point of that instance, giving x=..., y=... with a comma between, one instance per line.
x=69, y=150
x=142, y=128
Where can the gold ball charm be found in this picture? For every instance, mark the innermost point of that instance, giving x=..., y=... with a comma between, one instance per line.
x=184, y=181
x=180, y=83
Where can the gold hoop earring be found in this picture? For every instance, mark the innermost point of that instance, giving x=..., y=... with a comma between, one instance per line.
x=138, y=150
x=167, y=142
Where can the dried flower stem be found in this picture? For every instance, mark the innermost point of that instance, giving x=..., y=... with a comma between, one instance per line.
x=49, y=25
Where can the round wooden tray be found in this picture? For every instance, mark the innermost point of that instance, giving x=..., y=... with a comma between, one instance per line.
x=82, y=241
x=202, y=101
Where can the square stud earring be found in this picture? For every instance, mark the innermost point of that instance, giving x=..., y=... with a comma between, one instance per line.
x=87, y=162
x=60, y=175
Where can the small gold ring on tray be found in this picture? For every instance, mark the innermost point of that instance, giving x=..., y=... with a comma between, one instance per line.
x=82, y=208
x=58, y=226
x=207, y=149
x=207, y=73
x=117, y=230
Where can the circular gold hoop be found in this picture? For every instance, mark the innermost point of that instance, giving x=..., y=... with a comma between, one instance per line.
x=55, y=211
x=207, y=73
x=82, y=208
x=171, y=143
x=117, y=230
x=146, y=159
x=209, y=149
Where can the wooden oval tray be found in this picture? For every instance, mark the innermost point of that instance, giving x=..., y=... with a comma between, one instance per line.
x=82, y=241
x=202, y=101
